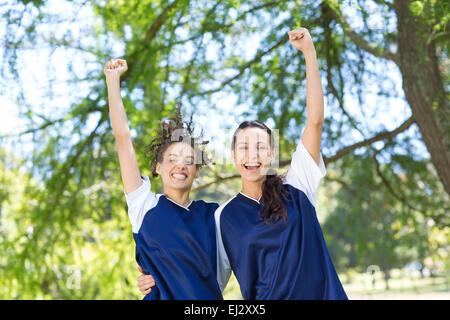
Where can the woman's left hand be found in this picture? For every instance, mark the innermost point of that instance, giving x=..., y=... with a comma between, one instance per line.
x=301, y=39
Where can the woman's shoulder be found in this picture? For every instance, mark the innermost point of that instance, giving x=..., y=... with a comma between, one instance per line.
x=225, y=207
x=210, y=205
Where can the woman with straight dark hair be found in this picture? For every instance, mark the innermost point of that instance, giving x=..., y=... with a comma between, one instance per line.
x=268, y=234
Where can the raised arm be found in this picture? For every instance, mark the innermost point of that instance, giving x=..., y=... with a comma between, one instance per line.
x=127, y=157
x=311, y=138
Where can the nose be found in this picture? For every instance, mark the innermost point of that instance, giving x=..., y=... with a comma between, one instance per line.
x=252, y=154
x=180, y=166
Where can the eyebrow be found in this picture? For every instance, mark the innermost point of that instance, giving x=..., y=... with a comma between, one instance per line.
x=175, y=155
x=259, y=142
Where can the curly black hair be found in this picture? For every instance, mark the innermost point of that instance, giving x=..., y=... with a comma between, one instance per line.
x=174, y=130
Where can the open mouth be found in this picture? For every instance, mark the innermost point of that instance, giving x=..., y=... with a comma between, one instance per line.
x=179, y=176
x=252, y=167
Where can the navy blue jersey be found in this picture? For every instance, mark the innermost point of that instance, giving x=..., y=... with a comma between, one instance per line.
x=175, y=244
x=283, y=260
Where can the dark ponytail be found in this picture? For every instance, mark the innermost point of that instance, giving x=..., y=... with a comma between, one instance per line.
x=274, y=194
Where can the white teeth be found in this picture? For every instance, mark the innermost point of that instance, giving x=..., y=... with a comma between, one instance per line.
x=179, y=176
x=252, y=167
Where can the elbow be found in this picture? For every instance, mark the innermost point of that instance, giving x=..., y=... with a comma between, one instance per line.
x=123, y=133
x=317, y=122
x=315, y=116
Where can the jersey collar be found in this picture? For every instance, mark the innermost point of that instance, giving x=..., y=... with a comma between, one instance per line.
x=185, y=208
x=248, y=199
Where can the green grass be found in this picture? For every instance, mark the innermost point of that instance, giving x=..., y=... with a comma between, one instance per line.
x=401, y=286
x=361, y=286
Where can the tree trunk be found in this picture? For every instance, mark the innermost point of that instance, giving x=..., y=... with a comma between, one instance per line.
x=423, y=86
x=387, y=276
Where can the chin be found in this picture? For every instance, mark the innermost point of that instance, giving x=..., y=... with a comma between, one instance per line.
x=177, y=185
x=182, y=186
x=252, y=178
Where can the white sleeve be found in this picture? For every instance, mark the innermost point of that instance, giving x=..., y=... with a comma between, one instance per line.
x=223, y=264
x=304, y=173
x=139, y=202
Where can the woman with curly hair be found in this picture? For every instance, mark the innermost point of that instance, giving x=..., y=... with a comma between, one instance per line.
x=175, y=237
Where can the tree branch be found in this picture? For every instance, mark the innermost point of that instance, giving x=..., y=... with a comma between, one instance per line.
x=150, y=35
x=386, y=183
x=228, y=25
x=381, y=136
x=33, y=130
x=358, y=39
x=219, y=179
x=331, y=53
x=256, y=59
x=384, y=2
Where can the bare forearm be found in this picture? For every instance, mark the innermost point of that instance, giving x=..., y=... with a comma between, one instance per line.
x=118, y=117
x=311, y=137
x=128, y=163
x=314, y=92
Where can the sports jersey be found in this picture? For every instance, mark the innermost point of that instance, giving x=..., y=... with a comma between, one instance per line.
x=175, y=244
x=283, y=260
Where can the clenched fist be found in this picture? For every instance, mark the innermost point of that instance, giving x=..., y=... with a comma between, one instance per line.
x=114, y=68
x=301, y=39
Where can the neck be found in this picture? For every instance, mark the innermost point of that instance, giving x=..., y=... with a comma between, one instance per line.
x=179, y=196
x=252, y=189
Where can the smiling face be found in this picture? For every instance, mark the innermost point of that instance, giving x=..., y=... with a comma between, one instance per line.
x=252, y=153
x=177, y=168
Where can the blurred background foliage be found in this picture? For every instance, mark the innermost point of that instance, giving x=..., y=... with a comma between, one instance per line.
x=383, y=206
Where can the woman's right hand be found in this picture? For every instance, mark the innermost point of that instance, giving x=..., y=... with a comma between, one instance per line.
x=145, y=282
